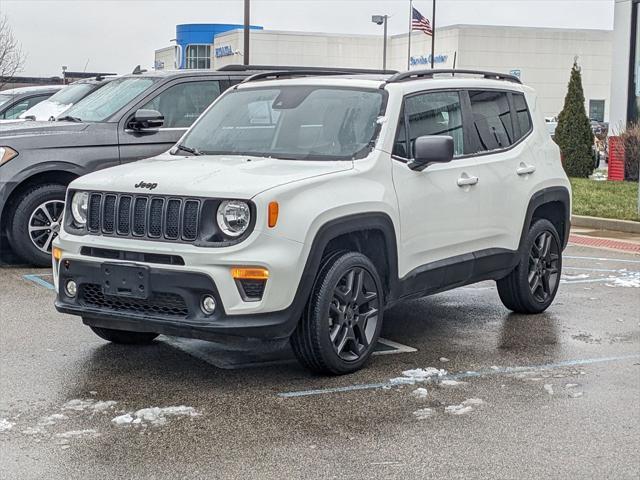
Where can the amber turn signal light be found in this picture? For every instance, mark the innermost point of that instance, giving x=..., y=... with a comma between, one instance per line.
x=250, y=273
x=57, y=253
x=273, y=214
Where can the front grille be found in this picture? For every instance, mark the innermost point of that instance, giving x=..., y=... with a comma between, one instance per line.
x=146, y=216
x=159, y=304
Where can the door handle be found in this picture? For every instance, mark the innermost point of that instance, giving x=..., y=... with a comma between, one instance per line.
x=525, y=169
x=465, y=180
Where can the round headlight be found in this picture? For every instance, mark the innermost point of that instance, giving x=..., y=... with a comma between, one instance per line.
x=233, y=217
x=79, y=203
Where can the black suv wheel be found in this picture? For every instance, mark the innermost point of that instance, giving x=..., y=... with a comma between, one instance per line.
x=533, y=284
x=36, y=222
x=343, y=317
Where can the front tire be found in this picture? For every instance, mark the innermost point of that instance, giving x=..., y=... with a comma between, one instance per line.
x=37, y=219
x=533, y=284
x=343, y=317
x=124, y=337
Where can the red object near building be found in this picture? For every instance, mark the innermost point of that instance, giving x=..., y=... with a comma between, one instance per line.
x=616, y=159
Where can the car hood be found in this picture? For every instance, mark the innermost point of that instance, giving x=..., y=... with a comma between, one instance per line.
x=207, y=175
x=11, y=130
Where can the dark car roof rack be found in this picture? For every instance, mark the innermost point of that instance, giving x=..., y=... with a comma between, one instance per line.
x=303, y=72
x=420, y=74
x=290, y=68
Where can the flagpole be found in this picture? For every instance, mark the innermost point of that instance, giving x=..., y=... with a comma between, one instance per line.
x=433, y=33
x=410, y=27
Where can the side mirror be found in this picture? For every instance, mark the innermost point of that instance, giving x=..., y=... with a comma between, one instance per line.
x=430, y=149
x=145, y=119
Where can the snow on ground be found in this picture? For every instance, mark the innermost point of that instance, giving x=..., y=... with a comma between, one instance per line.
x=154, y=415
x=423, y=413
x=51, y=419
x=78, y=433
x=418, y=375
x=574, y=277
x=465, y=407
x=81, y=405
x=549, y=388
x=5, y=425
x=420, y=393
x=626, y=279
x=450, y=383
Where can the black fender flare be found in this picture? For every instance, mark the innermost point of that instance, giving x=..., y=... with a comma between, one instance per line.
x=548, y=195
x=340, y=226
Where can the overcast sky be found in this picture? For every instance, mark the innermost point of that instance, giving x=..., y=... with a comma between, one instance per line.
x=116, y=35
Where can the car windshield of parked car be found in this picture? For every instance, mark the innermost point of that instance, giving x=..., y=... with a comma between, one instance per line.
x=5, y=98
x=291, y=122
x=59, y=101
x=101, y=104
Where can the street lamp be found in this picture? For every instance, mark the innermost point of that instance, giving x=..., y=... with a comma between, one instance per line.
x=382, y=20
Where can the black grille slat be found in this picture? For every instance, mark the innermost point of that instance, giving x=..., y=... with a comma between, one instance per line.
x=159, y=304
x=124, y=215
x=172, y=219
x=140, y=216
x=151, y=217
x=190, y=220
x=93, y=220
x=109, y=213
x=155, y=218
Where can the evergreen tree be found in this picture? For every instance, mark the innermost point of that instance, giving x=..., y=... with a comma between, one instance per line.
x=573, y=133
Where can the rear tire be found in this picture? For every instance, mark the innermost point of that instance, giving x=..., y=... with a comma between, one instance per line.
x=533, y=284
x=343, y=317
x=124, y=337
x=36, y=222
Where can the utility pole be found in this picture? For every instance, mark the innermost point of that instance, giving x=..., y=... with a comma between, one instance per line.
x=410, y=29
x=247, y=21
x=433, y=33
x=382, y=20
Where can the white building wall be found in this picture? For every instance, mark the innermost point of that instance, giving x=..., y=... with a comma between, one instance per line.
x=165, y=58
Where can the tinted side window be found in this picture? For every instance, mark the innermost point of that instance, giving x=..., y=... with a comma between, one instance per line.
x=23, y=106
x=183, y=103
x=522, y=113
x=492, y=123
x=435, y=113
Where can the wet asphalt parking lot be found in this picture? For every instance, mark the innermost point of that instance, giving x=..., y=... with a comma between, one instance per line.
x=555, y=395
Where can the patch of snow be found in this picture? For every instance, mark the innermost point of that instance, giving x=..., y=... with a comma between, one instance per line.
x=450, y=383
x=571, y=385
x=575, y=277
x=78, y=433
x=103, y=405
x=458, y=409
x=154, y=415
x=420, y=393
x=423, y=413
x=51, y=419
x=78, y=404
x=33, y=431
x=494, y=367
x=627, y=279
x=402, y=381
x=5, y=425
x=421, y=374
x=549, y=388
x=473, y=401
x=93, y=392
x=575, y=394
x=444, y=359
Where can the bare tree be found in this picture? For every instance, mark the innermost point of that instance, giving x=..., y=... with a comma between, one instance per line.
x=11, y=56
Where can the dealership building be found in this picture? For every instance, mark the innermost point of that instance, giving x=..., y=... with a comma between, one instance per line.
x=541, y=57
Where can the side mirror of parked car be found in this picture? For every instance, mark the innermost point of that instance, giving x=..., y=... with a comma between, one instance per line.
x=145, y=119
x=430, y=149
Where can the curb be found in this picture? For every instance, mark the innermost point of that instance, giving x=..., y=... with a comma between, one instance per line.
x=598, y=223
x=607, y=243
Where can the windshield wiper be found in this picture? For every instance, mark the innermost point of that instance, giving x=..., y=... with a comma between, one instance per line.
x=192, y=151
x=69, y=118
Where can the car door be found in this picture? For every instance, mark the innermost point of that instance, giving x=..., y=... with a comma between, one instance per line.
x=505, y=166
x=181, y=103
x=438, y=206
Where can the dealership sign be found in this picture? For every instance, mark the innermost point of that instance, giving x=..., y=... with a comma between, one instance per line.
x=224, y=51
x=426, y=59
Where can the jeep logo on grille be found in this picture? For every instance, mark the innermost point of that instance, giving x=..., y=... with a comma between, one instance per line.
x=148, y=186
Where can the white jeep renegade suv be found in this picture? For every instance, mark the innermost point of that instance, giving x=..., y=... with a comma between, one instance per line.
x=301, y=207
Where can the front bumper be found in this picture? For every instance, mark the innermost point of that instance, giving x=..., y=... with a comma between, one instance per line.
x=172, y=307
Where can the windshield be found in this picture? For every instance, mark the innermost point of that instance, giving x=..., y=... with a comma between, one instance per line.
x=101, y=104
x=72, y=93
x=58, y=103
x=292, y=122
x=5, y=98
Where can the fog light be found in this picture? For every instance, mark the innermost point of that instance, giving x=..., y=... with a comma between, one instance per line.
x=208, y=304
x=71, y=289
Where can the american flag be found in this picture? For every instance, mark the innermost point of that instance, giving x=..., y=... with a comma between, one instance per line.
x=418, y=22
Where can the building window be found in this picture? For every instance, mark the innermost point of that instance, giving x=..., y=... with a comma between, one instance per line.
x=596, y=110
x=198, y=56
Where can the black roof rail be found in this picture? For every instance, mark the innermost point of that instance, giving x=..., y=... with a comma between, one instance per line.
x=418, y=74
x=285, y=68
x=274, y=75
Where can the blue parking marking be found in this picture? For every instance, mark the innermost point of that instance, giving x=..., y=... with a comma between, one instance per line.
x=459, y=376
x=39, y=280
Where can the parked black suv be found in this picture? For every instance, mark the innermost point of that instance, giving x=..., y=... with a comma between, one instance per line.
x=132, y=117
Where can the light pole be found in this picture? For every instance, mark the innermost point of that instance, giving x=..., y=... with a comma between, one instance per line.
x=64, y=74
x=382, y=20
x=247, y=20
